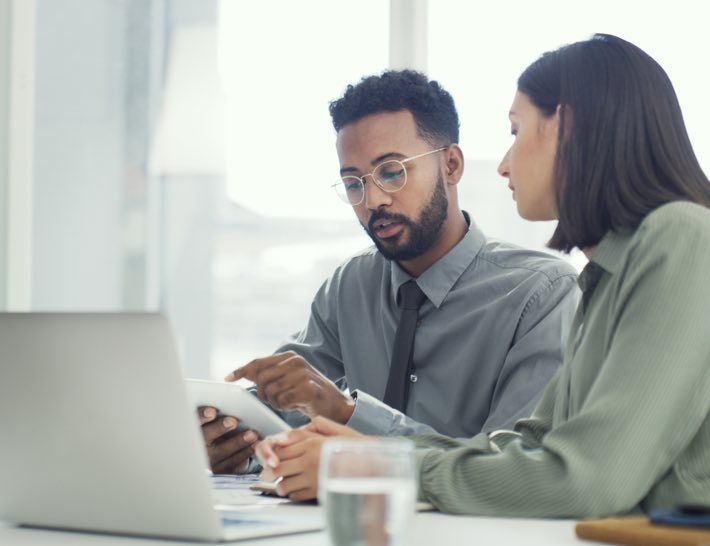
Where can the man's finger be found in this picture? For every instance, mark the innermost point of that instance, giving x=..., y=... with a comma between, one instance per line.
x=214, y=430
x=227, y=447
x=247, y=371
x=291, y=398
x=236, y=463
x=283, y=368
x=287, y=385
x=206, y=414
x=251, y=371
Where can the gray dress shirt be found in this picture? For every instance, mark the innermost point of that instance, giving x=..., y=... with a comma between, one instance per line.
x=489, y=336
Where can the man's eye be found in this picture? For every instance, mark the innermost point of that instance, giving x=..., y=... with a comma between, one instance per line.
x=352, y=185
x=391, y=175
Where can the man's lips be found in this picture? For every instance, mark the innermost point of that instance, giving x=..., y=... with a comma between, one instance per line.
x=384, y=229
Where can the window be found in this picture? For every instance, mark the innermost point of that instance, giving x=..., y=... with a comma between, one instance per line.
x=182, y=152
x=478, y=52
x=283, y=230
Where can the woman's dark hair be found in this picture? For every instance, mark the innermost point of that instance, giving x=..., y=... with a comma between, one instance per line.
x=623, y=149
x=431, y=105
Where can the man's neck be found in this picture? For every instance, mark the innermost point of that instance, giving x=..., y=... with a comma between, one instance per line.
x=454, y=230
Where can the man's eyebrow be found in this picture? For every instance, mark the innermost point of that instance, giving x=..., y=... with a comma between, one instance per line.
x=384, y=157
x=379, y=159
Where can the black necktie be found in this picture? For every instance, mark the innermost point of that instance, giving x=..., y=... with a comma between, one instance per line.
x=411, y=298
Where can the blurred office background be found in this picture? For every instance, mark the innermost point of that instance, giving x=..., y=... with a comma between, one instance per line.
x=177, y=154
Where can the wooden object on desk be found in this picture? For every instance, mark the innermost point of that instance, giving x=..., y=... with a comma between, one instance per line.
x=638, y=531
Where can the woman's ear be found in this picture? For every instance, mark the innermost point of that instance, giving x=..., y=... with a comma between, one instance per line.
x=551, y=128
x=563, y=122
x=453, y=170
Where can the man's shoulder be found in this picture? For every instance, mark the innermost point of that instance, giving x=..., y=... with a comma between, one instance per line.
x=363, y=258
x=354, y=276
x=366, y=261
x=504, y=256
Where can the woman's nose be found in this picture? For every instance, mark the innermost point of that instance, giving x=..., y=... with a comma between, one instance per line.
x=503, y=168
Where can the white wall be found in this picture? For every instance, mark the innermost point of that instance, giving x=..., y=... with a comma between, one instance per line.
x=4, y=122
x=79, y=117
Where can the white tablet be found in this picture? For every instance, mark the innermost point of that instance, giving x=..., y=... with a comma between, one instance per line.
x=233, y=399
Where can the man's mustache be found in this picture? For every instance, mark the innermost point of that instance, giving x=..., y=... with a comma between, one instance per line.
x=400, y=218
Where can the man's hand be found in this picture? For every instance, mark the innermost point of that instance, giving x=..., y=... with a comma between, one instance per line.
x=287, y=382
x=295, y=456
x=228, y=452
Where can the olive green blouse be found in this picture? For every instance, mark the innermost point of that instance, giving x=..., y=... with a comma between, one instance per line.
x=624, y=425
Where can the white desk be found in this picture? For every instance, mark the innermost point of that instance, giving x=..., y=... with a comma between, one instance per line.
x=430, y=529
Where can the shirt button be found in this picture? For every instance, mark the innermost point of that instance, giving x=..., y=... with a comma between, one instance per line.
x=419, y=322
x=413, y=378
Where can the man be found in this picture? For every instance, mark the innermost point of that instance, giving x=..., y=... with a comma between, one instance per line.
x=490, y=328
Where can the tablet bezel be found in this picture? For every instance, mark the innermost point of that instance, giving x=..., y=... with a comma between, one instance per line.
x=233, y=399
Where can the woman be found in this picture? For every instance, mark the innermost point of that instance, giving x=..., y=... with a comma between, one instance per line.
x=600, y=145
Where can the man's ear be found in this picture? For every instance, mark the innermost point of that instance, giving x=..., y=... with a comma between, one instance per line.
x=453, y=171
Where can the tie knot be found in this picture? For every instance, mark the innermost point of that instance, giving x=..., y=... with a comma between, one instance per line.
x=411, y=296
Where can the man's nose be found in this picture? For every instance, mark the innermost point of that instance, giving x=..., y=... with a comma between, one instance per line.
x=375, y=196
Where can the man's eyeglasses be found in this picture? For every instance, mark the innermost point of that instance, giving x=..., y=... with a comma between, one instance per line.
x=390, y=176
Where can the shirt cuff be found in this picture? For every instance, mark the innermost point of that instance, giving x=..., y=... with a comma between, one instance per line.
x=371, y=416
x=254, y=466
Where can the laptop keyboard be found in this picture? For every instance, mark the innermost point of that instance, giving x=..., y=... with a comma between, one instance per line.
x=233, y=491
x=248, y=514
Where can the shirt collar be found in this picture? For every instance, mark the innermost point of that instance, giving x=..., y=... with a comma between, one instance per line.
x=437, y=281
x=611, y=250
x=608, y=256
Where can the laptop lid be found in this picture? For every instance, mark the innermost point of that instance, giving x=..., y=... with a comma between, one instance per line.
x=96, y=430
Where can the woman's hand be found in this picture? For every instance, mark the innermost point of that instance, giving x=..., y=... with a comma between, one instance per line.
x=295, y=456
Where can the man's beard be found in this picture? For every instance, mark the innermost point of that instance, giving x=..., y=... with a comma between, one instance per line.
x=422, y=234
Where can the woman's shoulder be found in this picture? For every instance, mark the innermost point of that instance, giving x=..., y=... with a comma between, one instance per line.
x=678, y=216
x=677, y=229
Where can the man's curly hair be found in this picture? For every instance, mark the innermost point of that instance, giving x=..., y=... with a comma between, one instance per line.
x=431, y=105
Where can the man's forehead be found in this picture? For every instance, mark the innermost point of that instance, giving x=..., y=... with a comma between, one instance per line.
x=378, y=134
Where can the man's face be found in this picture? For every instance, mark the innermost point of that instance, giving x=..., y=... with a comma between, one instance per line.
x=406, y=224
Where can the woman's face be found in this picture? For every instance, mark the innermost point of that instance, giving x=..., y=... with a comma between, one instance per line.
x=529, y=162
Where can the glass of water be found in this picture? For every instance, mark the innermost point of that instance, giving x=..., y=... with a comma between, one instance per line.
x=368, y=491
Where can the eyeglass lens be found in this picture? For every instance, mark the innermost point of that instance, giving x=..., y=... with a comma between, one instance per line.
x=391, y=176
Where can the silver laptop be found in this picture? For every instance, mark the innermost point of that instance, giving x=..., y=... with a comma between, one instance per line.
x=96, y=433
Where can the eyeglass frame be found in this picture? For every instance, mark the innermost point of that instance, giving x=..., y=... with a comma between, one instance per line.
x=361, y=179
